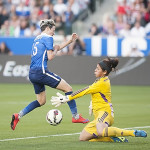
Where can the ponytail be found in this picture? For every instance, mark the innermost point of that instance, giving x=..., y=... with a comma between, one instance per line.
x=109, y=64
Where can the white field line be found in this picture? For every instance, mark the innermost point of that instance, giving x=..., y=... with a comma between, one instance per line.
x=36, y=137
x=70, y=134
x=144, y=127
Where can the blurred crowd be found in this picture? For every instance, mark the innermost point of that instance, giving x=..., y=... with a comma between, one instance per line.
x=21, y=17
x=131, y=18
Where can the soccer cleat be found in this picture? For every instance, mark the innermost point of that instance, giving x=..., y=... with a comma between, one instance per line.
x=80, y=120
x=119, y=139
x=140, y=133
x=14, y=121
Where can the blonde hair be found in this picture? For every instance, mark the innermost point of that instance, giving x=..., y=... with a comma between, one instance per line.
x=46, y=23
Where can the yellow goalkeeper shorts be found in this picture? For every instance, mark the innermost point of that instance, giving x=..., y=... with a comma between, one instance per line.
x=102, y=116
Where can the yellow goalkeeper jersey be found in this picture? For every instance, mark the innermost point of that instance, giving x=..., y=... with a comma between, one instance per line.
x=100, y=91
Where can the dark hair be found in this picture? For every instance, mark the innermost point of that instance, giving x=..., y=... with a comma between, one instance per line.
x=109, y=64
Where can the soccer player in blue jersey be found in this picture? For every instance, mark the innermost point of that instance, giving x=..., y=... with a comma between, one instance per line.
x=42, y=51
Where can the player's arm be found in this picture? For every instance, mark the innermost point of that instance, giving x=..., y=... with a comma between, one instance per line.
x=73, y=38
x=60, y=99
x=52, y=53
x=80, y=93
x=51, y=50
x=94, y=88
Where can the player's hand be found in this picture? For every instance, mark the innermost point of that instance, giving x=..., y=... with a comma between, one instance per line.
x=57, y=47
x=90, y=109
x=59, y=99
x=74, y=37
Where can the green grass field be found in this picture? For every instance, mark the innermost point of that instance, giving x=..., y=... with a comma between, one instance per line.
x=131, y=105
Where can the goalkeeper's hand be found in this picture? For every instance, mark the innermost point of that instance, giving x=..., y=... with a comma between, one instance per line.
x=59, y=99
x=90, y=109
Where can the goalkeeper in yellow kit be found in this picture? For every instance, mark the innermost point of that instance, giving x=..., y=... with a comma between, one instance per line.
x=100, y=128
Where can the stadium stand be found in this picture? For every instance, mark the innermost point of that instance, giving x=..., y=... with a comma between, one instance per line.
x=21, y=18
x=121, y=19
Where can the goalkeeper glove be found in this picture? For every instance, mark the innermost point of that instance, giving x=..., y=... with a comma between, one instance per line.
x=59, y=99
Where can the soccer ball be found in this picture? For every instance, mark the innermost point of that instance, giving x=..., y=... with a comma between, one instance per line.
x=54, y=117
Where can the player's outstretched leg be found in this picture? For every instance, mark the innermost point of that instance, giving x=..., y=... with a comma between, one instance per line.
x=26, y=110
x=117, y=132
x=76, y=118
x=140, y=133
x=14, y=121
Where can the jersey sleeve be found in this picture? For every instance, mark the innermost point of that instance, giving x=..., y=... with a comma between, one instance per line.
x=48, y=42
x=94, y=88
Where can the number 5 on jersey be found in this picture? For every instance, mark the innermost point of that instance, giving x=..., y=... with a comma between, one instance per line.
x=34, y=49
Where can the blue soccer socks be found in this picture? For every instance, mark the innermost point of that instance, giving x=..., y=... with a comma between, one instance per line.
x=72, y=105
x=29, y=108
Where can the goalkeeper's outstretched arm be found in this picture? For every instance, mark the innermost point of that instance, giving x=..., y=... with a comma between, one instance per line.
x=60, y=99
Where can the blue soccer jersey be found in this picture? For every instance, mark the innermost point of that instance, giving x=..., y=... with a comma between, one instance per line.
x=39, y=58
